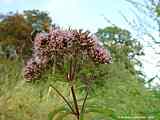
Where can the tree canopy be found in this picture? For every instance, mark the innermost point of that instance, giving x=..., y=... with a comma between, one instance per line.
x=18, y=30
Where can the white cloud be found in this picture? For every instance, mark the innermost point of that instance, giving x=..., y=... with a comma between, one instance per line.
x=151, y=59
x=7, y=1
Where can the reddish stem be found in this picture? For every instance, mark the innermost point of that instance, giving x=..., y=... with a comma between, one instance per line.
x=72, y=73
x=75, y=102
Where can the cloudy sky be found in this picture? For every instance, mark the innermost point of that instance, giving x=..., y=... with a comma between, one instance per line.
x=87, y=14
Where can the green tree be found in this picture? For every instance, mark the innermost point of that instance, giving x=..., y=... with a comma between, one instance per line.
x=39, y=20
x=150, y=26
x=18, y=30
x=15, y=32
x=123, y=47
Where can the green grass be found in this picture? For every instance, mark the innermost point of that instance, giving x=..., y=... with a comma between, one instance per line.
x=118, y=97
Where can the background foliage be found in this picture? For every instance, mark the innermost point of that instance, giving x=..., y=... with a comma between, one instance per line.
x=117, y=90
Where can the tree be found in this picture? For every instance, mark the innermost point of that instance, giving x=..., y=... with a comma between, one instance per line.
x=150, y=26
x=18, y=30
x=39, y=20
x=15, y=32
x=123, y=47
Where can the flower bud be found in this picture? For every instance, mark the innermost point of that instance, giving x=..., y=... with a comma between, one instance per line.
x=99, y=54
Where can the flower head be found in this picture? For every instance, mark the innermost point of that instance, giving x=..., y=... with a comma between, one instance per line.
x=100, y=55
x=63, y=42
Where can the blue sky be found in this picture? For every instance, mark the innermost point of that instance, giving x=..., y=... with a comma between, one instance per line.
x=87, y=14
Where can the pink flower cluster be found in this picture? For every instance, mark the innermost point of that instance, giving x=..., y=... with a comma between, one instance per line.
x=62, y=42
x=100, y=55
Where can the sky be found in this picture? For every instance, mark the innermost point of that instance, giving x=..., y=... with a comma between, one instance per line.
x=90, y=15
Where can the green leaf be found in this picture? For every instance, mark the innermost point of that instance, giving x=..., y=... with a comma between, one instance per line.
x=52, y=115
x=104, y=112
x=62, y=115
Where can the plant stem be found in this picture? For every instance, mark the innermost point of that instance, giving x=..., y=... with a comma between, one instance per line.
x=72, y=73
x=75, y=103
x=66, y=101
x=83, y=105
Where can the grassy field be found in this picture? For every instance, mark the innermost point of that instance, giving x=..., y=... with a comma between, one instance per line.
x=117, y=99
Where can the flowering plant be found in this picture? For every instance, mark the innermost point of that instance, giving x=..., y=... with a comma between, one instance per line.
x=67, y=43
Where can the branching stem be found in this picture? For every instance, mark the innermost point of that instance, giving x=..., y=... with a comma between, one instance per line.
x=65, y=100
x=83, y=105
